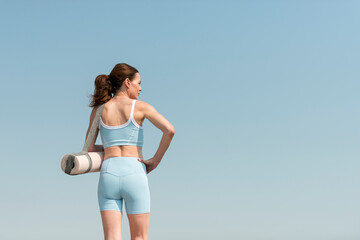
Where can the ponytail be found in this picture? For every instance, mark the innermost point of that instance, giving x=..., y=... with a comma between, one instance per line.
x=102, y=92
x=107, y=86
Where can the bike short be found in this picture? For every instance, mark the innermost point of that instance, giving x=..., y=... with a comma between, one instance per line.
x=124, y=179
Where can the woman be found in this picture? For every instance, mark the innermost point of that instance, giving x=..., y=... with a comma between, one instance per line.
x=123, y=176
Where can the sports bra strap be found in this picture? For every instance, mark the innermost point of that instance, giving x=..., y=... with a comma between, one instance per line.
x=132, y=109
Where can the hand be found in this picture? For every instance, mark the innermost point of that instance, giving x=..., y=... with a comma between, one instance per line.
x=150, y=164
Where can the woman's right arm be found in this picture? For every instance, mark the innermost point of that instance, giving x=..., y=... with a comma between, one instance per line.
x=165, y=126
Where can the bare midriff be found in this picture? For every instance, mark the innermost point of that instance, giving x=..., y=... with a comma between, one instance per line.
x=123, y=151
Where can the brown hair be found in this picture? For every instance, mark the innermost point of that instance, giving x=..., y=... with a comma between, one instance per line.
x=106, y=85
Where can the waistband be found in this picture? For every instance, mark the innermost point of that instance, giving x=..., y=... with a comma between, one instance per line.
x=119, y=158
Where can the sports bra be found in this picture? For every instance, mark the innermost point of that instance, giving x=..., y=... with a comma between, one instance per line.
x=129, y=133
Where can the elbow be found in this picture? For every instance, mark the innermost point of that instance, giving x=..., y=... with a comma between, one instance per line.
x=170, y=131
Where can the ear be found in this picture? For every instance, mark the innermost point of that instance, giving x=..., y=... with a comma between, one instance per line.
x=127, y=82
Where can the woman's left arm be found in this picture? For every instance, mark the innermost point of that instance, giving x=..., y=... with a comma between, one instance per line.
x=93, y=147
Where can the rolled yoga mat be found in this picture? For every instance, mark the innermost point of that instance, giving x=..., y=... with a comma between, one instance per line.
x=84, y=161
x=74, y=164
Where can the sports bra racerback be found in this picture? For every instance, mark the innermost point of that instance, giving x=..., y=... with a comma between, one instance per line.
x=129, y=133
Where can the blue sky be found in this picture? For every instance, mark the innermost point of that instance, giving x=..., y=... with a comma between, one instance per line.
x=263, y=96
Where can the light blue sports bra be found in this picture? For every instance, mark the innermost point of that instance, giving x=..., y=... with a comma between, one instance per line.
x=129, y=133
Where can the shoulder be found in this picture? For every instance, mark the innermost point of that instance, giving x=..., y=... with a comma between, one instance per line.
x=147, y=109
x=93, y=112
x=142, y=105
x=94, y=109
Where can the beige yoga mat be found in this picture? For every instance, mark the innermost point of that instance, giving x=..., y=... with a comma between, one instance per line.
x=82, y=163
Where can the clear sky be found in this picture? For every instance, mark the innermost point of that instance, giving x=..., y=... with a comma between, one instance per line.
x=263, y=95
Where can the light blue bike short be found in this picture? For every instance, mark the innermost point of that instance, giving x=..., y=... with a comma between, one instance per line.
x=124, y=179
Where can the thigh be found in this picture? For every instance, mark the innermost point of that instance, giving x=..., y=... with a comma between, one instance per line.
x=139, y=225
x=111, y=221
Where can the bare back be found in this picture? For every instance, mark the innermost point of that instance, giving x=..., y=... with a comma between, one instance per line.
x=117, y=113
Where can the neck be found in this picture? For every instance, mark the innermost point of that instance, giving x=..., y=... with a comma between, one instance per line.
x=121, y=95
